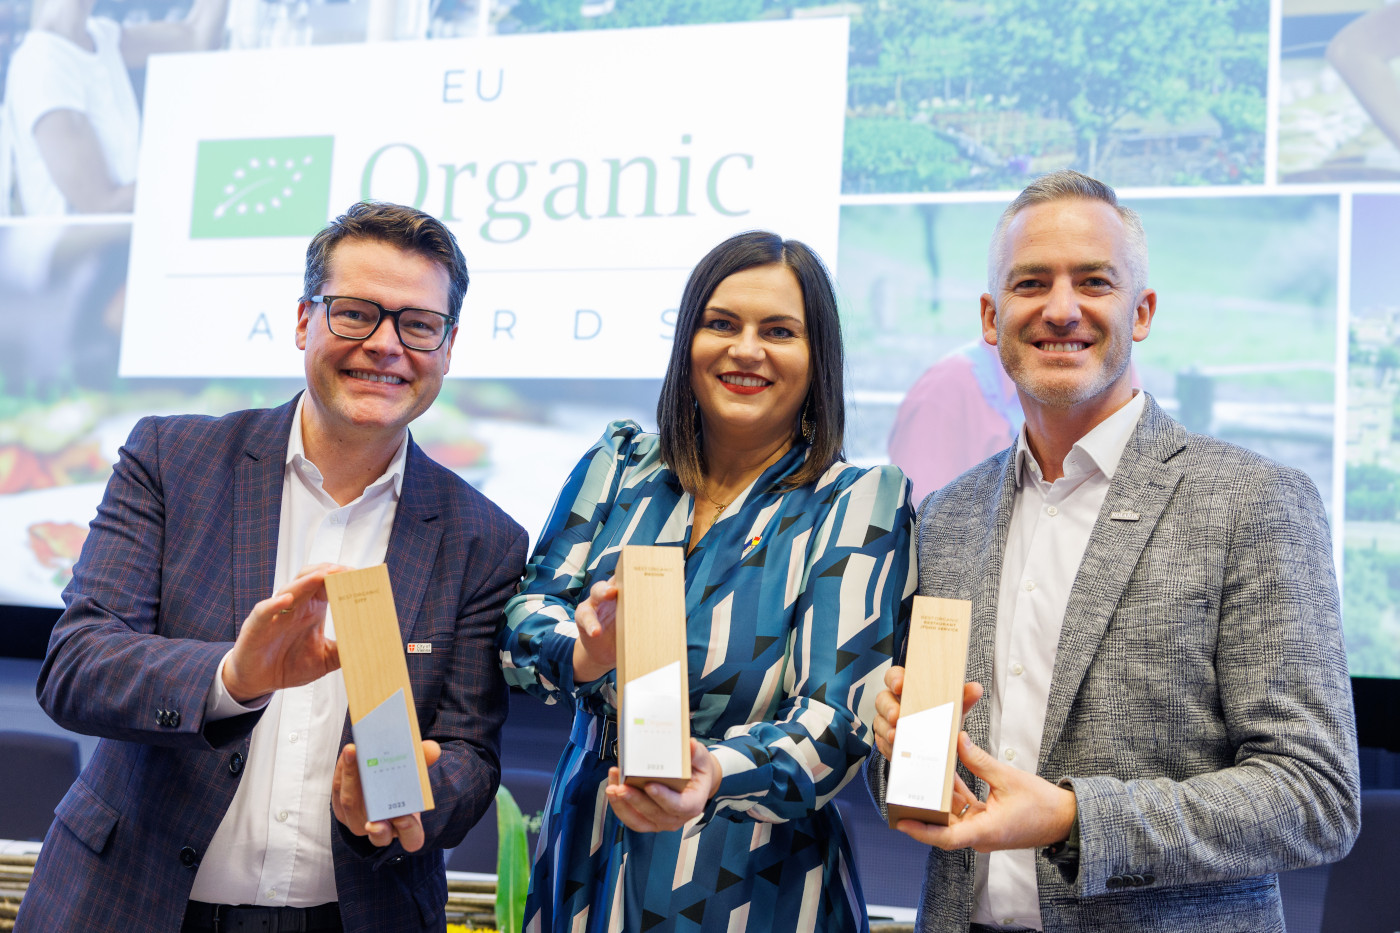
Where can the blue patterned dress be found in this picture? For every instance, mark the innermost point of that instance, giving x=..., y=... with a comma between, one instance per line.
x=795, y=601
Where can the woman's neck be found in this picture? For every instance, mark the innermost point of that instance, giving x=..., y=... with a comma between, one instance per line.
x=731, y=467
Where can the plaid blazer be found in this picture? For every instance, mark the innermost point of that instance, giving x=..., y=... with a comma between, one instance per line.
x=184, y=543
x=1199, y=706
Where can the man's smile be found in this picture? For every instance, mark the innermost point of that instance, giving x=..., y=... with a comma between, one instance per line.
x=373, y=377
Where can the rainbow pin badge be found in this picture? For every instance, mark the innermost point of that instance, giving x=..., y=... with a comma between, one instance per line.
x=753, y=543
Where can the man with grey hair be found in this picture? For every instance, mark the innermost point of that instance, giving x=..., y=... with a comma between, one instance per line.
x=1155, y=622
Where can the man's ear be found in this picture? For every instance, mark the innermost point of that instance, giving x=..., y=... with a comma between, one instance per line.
x=1142, y=314
x=305, y=309
x=989, y=319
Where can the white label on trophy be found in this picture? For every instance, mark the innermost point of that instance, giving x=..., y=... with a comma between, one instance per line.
x=384, y=756
x=651, y=723
x=920, y=758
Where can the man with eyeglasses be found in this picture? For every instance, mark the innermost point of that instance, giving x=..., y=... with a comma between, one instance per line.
x=223, y=796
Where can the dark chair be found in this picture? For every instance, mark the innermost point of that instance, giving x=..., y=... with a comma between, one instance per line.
x=477, y=851
x=36, y=770
x=1362, y=893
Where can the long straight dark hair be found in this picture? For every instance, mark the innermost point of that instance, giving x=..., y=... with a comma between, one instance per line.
x=825, y=406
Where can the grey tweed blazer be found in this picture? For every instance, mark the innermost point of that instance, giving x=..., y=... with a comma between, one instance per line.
x=1200, y=706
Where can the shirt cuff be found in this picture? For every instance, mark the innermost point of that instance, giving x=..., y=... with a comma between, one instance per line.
x=221, y=705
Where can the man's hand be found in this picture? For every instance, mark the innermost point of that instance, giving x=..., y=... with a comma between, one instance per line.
x=887, y=708
x=283, y=641
x=595, y=651
x=1022, y=811
x=658, y=808
x=348, y=804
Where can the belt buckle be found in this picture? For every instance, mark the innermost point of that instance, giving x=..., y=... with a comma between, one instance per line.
x=607, y=739
x=217, y=921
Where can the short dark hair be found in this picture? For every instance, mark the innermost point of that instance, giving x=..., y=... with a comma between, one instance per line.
x=405, y=227
x=825, y=405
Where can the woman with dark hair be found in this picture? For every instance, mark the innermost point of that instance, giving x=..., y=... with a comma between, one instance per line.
x=798, y=573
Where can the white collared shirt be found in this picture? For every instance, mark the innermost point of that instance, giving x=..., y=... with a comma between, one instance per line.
x=273, y=847
x=1050, y=528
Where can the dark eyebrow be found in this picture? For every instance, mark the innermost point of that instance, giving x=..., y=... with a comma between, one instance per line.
x=770, y=319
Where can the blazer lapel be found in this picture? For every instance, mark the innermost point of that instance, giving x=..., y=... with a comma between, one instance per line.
x=257, y=509
x=413, y=549
x=1142, y=486
x=413, y=543
x=998, y=496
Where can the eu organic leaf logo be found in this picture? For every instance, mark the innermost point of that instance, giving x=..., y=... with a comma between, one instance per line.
x=261, y=187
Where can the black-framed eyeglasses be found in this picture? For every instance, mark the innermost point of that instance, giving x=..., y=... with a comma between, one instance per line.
x=358, y=318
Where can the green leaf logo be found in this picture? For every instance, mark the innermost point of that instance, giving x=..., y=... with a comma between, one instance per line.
x=372, y=762
x=261, y=187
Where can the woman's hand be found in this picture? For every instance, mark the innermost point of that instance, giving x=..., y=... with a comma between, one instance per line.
x=657, y=808
x=595, y=650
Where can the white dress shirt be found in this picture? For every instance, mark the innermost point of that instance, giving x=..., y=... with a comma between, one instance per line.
x=1050, y=528
x=273, y=847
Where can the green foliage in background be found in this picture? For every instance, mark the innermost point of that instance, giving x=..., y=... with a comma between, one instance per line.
x=1096, y=65
x=567, y=15
x=1371, y=582
x=889, y=154
x=1098, y=61
x=1373, y=493
x=512, y=863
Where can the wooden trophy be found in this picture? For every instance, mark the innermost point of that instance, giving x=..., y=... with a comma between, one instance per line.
x=920, y=785
x=652, y=686
x=388, y=747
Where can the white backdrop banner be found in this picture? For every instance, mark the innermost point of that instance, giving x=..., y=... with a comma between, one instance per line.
x=581, y=203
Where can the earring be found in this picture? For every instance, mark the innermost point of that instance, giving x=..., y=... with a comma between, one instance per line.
x=809, y=428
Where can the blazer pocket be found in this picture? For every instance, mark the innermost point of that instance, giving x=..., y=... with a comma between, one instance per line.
x=429, y=892
x=1169, y=633
x=1164, y=612
x=87, y=816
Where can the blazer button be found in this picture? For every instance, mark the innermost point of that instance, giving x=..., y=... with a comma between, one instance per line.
x=235, y=764
x=189, y=857
x=1148, y=879
x=160, y=717
x=174, y=717
x=1114, y=882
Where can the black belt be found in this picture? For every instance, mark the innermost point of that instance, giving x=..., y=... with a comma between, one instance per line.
x=223, y=918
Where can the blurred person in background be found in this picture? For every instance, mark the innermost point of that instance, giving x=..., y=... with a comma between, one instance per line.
x=71, y=122
x=1362, y=52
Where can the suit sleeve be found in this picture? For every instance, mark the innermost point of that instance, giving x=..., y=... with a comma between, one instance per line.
x=109, y=670
x=1291, y=797
x=857, y=584
x=472, y=707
